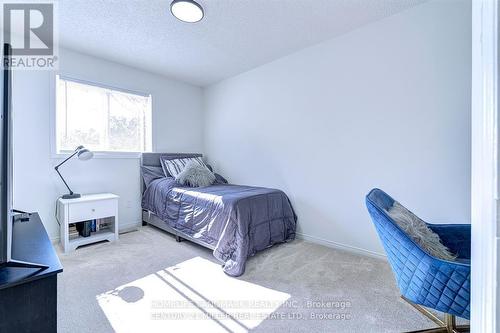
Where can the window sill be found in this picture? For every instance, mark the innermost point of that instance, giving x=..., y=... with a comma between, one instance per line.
x=103, y=155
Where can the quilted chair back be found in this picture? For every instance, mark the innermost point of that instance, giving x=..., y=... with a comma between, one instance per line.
x=435, y=283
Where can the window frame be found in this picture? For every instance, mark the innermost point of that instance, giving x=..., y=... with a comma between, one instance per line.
x=55, y=154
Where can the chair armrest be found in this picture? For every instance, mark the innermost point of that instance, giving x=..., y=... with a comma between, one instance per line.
x=456, y=237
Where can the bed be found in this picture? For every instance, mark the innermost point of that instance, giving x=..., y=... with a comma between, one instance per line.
x=234, y=221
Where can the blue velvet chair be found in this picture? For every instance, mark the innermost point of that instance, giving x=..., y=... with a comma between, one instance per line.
x=424, y=280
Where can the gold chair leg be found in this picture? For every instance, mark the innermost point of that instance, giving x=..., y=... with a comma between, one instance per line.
x=447, y=326
x=450, y=322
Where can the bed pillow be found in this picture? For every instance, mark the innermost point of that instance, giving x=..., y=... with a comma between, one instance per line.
x=195, y=175
x=172, y=167
x=418, y=230
x=150, y=173
x=219, y=179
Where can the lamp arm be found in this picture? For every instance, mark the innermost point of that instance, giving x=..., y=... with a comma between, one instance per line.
x=70, y=156
x=70, y=191
x=57, y=170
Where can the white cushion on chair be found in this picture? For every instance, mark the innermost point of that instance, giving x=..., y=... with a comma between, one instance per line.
x=418, y=230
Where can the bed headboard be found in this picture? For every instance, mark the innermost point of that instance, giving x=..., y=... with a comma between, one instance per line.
x=153, y=159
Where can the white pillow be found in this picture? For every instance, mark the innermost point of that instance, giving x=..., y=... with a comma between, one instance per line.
x=195, y=175
x=175, y=166
x=418, y=230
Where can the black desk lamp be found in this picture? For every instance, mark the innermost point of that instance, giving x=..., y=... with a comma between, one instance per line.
x=83, y=154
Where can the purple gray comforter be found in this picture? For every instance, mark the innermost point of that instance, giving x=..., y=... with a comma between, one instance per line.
x=237, y=220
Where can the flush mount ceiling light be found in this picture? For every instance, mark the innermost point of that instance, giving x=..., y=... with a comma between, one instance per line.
x=186, y=10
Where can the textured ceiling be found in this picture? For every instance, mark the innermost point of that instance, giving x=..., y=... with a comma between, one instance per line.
x=234, y=36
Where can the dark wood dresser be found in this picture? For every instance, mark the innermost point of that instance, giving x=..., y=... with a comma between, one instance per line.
x=28, y=297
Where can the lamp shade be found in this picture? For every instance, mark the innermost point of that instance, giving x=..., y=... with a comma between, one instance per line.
x=84, y=154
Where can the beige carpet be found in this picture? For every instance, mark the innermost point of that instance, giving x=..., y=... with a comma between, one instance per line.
x=147, y=282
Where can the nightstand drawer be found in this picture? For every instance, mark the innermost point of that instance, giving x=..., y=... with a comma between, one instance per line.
x=83, y=211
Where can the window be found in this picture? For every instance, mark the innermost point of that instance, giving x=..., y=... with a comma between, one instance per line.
x=100, y=118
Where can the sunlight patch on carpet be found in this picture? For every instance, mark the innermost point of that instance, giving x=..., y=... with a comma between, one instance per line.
x=192, y=296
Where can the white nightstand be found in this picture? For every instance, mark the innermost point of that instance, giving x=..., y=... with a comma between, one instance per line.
x=103, y=206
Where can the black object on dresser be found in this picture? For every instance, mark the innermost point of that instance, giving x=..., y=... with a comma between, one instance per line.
x=28, y=297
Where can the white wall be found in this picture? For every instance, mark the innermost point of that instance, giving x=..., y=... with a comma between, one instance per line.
x=36, y=184
x=387, y=105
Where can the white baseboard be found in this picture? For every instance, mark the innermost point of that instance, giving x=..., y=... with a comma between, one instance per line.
x=340, y=246
x=127, y=227
x=317, y=240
